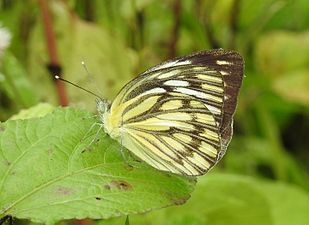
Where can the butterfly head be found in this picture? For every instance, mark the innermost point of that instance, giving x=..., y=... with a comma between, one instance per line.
x=102, y=108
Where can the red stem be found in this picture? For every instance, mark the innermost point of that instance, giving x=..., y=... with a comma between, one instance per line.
x=52, y=51
x=82, y=222
x=175, y=32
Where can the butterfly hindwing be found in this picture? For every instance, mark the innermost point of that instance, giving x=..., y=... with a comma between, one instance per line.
x=177, y=116
x=177, y=131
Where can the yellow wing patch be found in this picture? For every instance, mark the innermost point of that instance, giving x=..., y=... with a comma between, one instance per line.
x=174, y=104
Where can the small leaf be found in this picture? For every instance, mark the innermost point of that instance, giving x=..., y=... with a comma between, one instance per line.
x=48, y=172
x=298, y=81
x=16, y=83
x=39, y=110
x=274, y=50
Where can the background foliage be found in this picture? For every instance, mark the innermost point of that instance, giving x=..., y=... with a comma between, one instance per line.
x=264, y=178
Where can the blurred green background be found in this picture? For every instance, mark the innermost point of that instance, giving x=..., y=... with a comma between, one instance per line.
x=263, y=179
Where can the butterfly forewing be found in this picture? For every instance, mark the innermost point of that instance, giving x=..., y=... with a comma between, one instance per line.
x=177, y=116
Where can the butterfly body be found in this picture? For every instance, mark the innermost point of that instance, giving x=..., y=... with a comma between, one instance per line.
x=178, y=115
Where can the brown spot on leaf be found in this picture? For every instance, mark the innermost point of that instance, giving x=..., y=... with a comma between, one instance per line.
x=87, y=149
x=50, y=151
x=176, y=200
x=98, y=198
x=107, y=186
x=64, y=191
x=179, y=201
x=118, y=184
x=128, y=167
x=2, y=127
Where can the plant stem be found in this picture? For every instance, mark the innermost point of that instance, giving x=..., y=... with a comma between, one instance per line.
x=53, y=65
x=175, y=32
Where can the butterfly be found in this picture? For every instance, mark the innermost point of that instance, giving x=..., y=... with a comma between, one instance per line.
x=178, y=116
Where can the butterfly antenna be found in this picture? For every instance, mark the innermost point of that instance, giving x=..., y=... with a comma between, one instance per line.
x=90, y=77
x=84, y=89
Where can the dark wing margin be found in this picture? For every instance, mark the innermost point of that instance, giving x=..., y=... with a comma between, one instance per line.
x=230, y=65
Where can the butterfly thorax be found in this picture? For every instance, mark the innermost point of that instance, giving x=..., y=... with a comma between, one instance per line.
x=108, y=119
x=102, y=108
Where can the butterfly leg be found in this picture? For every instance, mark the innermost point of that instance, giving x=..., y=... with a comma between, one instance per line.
x=95, y=136
x=90, y=129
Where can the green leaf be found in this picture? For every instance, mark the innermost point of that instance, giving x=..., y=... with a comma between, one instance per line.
x=15, y=82
x=289, y=204
x=249, y=17
x=279, y=52
x=298, y=81
x=39, y=110
x=219, y=13
x=296, y=11
x=48, y=172
x=128, y=9
x=221, y=199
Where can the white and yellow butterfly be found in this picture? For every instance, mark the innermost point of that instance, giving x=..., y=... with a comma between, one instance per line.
x=178, y=115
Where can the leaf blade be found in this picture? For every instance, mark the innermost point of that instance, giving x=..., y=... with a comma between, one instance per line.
x=45, y=168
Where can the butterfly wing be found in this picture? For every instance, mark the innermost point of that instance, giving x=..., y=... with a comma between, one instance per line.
x=175, y=133
x=177, y=116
